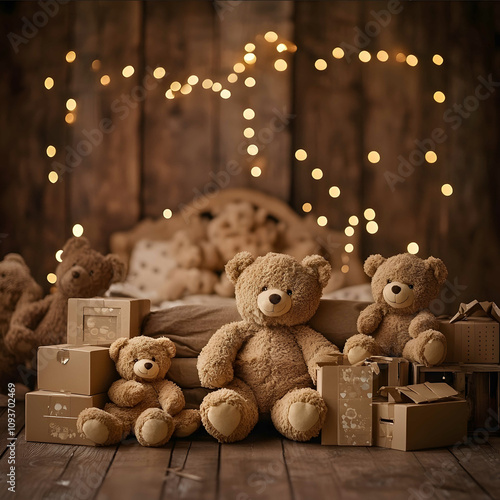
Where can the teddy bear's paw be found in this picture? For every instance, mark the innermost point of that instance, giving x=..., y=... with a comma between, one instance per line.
x=303, y=416
x=154, y=427
x=186, y=422
x=434, y=352
x=225, y=418
x=357, y=354
x=96, y=431
x=99, y=426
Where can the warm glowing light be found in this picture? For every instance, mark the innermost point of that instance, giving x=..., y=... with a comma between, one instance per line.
x=175, y=86
x=271, y=36
x=431, y=157
x=70, y=104
x=317, y=174
x=412, y=247
x=353, y=220
x=411, y=60
x=250, y=58
x=193, y=80
x=300, y=154
x=252, y=149
x=239, y=68
x=256, y=171
x=349, y=231
x=307, y=207
x=51, y=278
x=382, y=56
x=167, y=213
x=372, y=227
x=281, y=47
x=345, y=268
x=250, y=82
x=51, y=151
x=373, y=157
x=59, y=255
x=369, y=214
x=280, y=65
x=186, y=89
x=217, y=87
x=105, y=80
x=159, y=73
x=446, y=189
x=70, y=118
x=338, y=53
x=169, y=94
x=128, y=71
x=250, y=47
x=249, y=114
x=439, y=96
x=71, y=56
x=53, y=177
x=206, y=84
x=364, y=56
x=400, y=57
x=249, y=132
x=49, y=83
x=437, y=59
x=349, y=248
x=96, y=64
x=320, y=64
x=225, y=94
x=77, y=230
x=322, y=220
x=334, y=191
x=232, y=78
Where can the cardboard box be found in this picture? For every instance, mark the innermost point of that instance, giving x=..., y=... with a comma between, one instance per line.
x=51, y=417
x=422, y=416
x=393, y=372
x=347, y=391
x=83, y=369
x=100, y=321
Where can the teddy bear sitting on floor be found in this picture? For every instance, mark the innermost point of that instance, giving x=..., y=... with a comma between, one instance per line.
x=267, y=362
x=399, y=323
x=143, y=402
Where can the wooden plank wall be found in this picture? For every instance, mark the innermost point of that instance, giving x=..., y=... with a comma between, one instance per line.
x=164, y=153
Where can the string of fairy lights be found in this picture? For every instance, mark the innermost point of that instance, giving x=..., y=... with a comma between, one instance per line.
x=178, y=89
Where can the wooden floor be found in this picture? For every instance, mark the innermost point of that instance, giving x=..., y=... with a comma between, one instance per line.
x=261, y=467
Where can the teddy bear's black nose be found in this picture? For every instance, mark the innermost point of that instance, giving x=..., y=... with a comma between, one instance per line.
x=396, y=289
x=76, y=274
x=274, y=298
x=148, y=366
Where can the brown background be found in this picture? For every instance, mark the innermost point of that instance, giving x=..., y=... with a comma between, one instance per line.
x=162, y=151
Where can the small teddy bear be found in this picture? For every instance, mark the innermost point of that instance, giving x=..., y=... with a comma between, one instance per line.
x=143, y=402
x=17, y=288
x=267, y=362
x=84, y=273
x=399, y=323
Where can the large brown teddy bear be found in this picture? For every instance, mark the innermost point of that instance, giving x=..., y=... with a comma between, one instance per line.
x=399, y=323
x=267, y=362
x=142, y=400
x=17, y=288
x=83, y=272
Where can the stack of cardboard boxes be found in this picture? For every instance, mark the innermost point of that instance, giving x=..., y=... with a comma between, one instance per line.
x=77, y=375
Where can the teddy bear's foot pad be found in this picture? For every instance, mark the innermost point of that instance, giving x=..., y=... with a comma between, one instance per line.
x=155, y=431
x=96, y=431
x=434, y=352
x=225, y=418
x=303, y=416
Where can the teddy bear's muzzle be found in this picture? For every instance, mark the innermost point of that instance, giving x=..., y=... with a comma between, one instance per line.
x=274, y=302
x=146, y=369
x=398, y=295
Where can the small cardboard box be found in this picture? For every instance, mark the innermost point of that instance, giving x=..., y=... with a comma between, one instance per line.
x=85, y=370
x=51, y=417
x=100, y=321
x=423, y=416
x=394, y=372
x=347, y=391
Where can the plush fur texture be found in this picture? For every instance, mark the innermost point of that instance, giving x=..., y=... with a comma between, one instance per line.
x=399, y=323
x=267, y=362
x=17, y=288
x=143, y=402
x=83, y=272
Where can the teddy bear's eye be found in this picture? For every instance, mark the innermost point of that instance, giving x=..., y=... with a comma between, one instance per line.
x=135, y=360
x=3, y=275
x=153, y=359
x=410, y=287
x=389, y=281
x=289, y=292
x=91, y=273
x=264, y=288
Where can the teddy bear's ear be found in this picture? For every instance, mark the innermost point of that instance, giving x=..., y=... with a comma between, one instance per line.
x=439, y=269
x=118, y=267
x=75, y=244
x=238, y=264
x=168, y=345
x=372, y=263
x=116, y=347
x=15, y=257
x=321, y=266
